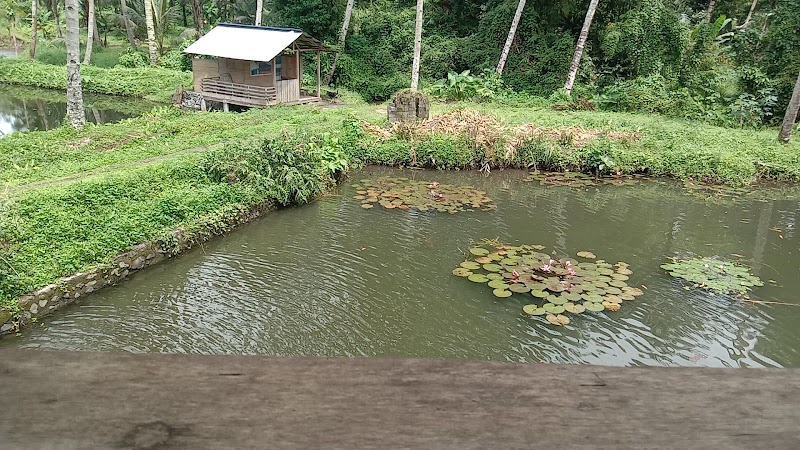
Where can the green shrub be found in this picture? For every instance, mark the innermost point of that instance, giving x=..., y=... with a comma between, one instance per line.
x=133, y=58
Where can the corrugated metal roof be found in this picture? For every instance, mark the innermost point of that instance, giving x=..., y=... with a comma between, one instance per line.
x=250, y=43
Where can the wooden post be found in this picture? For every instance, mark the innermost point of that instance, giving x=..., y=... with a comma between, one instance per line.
x=319, y=77
x=299, y=74
x=225, y=107
x=203, y=106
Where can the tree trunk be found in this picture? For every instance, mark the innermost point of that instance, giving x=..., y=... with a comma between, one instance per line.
x=510, y=40
x=96, y=35
x=712, y=5
x=151, y=32
x=576, y=58
x=749, y=16
x=197, y=16
x=75, y=112
x=34, y=26
x=417, y=48
x=87, y=57
x=348, y=12
x=128, y=28
x=791, y=114
x=57, y=19
x=259, y=11
x=183, y=12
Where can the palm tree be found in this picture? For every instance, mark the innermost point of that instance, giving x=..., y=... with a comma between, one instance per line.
x=576, y=58
x=510, y=39
x=417, y=48
x=348, y=12
x=151, y=32
x=259, y=11
x=791, y=114
x=90, y=26
x=197, y=16
x=34, y=26
x=128, y=28
x=75, y=112
x=712, y=5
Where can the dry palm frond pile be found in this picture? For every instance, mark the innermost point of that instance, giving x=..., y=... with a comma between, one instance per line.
x=486, y=130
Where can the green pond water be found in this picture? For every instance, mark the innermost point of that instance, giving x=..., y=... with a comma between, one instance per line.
x=333, y=279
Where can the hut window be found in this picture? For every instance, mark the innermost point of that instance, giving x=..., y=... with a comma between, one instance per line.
x=260, y=68
x=278, y=67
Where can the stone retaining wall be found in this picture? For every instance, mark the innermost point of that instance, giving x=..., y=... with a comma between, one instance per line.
x=54, y=296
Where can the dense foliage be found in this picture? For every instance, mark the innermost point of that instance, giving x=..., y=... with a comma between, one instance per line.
x=732, y=69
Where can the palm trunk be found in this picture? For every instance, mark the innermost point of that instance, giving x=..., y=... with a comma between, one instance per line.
x=197, y=16
x=128, y=28
x=151, y=32
x=348, y=12
x=791, y=114
x=576, y=58
x=75, y=112
x=57, y=19
x=417, y=48
x=712, y=5
x=510, y=40
x=259, y=11
x=87, y=57
x=34, y=26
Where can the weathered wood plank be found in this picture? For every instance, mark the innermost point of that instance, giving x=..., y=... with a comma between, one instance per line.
x=116, y=400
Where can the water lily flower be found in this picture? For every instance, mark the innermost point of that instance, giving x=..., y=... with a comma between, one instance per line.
x=515, y=273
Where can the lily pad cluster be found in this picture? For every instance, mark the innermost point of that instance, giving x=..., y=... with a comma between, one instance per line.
x=551, y=287
x=714, y=275
x=402, y=193
x=581, y=180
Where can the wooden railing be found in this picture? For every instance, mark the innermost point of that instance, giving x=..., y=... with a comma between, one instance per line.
x=244, y=94
x=288, y=91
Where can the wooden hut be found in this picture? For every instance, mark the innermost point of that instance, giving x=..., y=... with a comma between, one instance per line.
x=253, y=66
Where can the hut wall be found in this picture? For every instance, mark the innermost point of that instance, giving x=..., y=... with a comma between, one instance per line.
x=203, y=68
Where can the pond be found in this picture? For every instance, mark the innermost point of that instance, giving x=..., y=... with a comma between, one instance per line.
x=335, y=279
x=28, y=109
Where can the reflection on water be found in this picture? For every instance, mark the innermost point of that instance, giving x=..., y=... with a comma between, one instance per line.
x=332, y=279
x=28, y=109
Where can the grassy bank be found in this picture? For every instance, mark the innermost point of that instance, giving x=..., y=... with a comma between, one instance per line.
x=151, y=83
x=73, y=199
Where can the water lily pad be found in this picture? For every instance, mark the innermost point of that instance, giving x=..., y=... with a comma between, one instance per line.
x=366, y=205
x=553, y=308
x=534, y=310
x=478, y=251
x=611, y=306
x=574, y=308
x=497, y=284
x=492, y=268
x=591, y=306
x=563, y=284
x=587, y=255
x=405, y=194
x=478, y=278
x=713, y=274
x=501, y=293
x=462, y=272
x=557, y=319
x=624, y=271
